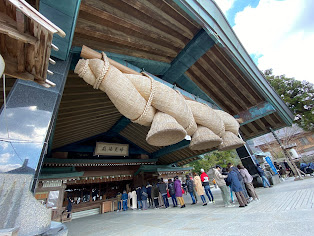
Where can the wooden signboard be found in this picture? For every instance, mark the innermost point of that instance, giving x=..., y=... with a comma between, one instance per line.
x=111, y=149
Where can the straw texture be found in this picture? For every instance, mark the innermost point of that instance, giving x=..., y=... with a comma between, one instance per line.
x=204, y=138
x=206, y=116
x=231, y=124
x=165, y=130
x=166, y=100
x=119, y=89
x=230, y=141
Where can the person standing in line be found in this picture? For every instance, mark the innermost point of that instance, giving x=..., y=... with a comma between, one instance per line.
x=134, y=200
x=149, y=192
x=139, y=198
x=163, y=191
x=220, y=180
x=247, y=178
x=189, y=185
x=144, y=197
x=119, y=196
x=124, y=200
x=194, y=190
x=225, y=172
x=130, y=198
x=236, y=187
x=261, y=173
x=199, y=188
x=155, y=195
x=172, y=192
x=178, y=191
x=246, y=195
x=205, y=181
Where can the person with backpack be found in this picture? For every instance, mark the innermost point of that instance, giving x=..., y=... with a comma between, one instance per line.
x=172, y=192
x=189, y=186
x=163, y=191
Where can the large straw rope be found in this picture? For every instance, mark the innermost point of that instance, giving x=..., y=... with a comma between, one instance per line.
x=166, y=100
x=119, y=89
x=231, y=124
x=230, y=141
x=204, y=138
x=206, y=116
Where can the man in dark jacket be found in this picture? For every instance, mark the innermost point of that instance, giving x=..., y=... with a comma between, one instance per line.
x=172, y=192
x=139, y=198
x=261, y=173
x=163, y=191
x=149, y=192
x=155, y=195
x=189, y=185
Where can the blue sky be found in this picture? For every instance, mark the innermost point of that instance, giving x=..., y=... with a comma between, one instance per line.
x=278, y=34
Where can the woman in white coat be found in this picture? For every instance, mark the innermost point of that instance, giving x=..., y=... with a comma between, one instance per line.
x=134, y=200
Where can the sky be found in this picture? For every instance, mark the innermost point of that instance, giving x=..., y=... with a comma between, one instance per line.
x=278, y=34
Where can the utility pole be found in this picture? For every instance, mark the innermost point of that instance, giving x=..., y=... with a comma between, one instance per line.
x=287, y=155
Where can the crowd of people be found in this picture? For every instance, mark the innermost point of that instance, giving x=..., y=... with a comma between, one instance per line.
x=233, y=179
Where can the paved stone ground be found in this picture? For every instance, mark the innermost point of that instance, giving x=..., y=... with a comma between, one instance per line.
x=285, y=209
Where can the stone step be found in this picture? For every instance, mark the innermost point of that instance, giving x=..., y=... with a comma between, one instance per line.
x=81, y=214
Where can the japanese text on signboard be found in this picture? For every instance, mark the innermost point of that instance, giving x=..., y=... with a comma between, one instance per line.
x=111, y=149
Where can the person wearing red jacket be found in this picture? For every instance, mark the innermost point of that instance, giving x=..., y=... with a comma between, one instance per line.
x=205, y=182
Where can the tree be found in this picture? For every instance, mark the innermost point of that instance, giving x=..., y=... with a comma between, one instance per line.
x=210, y=160
x=298, y=95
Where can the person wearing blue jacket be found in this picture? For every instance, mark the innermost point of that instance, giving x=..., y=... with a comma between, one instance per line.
x=236, y=186
x=144, y=197
x=125, y=200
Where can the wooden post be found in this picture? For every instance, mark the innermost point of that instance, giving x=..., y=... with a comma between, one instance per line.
x=89, y=53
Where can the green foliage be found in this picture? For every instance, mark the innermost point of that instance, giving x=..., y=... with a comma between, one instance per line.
x=298, y=95
x=212, y=159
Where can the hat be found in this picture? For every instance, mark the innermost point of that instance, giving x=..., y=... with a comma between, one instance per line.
x=218, y=166
x=202, y=170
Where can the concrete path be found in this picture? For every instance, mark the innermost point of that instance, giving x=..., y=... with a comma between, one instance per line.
x=285, y=209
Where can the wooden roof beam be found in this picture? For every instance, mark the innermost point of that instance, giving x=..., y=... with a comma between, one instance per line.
x=256, y=112
x=196, y=48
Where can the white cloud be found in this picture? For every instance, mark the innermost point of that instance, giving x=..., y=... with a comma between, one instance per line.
x=5, y=168
x=4, y=158
x=225, y=5
x=4, y=145
x=274, y=29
